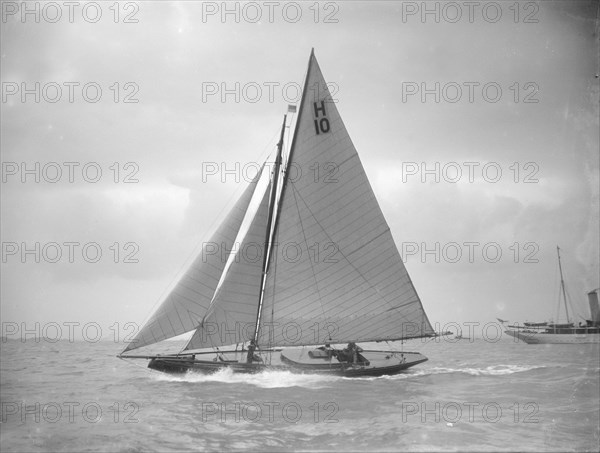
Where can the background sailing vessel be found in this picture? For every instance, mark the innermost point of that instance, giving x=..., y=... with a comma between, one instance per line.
x=328, y=271
x=569, y=333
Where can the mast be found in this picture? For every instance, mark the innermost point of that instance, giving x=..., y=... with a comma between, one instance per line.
x=274, y=216
x=562, y=283
x=268, y=240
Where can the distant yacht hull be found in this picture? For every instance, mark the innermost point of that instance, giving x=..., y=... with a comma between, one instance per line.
x=536, y=337
x=380, y=363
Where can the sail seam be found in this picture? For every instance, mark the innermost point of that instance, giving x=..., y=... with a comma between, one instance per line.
x=341, y=252
x=367, y=243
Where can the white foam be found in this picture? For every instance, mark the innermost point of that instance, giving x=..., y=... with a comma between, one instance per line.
x=265, y=379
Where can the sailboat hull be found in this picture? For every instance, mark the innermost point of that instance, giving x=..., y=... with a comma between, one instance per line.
x=533, y=337
x=378, y=363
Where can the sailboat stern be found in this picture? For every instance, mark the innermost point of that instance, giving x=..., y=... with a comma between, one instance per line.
x=171, y=364
x=366, y=363
x=183, y=364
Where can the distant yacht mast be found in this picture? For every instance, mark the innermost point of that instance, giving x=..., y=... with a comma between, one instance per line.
x=562, y=284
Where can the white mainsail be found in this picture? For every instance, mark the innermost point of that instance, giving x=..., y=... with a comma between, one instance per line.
x=337, y=275
x=186, y=305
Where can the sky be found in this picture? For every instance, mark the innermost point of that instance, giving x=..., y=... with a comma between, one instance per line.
x=127, y=133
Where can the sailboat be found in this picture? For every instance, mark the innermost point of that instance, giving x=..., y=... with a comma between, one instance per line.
x=327, y=276
x=556, y=333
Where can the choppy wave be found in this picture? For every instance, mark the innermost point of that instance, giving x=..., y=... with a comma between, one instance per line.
x=492, y=370
x=557, y=386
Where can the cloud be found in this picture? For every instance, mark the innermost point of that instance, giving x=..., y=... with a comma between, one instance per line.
x=174, y=130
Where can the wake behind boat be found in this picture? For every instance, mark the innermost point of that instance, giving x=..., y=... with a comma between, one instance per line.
x=561, y=333
x=327, y=271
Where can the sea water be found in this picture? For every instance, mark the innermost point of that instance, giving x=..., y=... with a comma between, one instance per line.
x=472, y=395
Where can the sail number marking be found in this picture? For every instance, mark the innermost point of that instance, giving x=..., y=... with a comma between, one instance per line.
x=321, y=124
